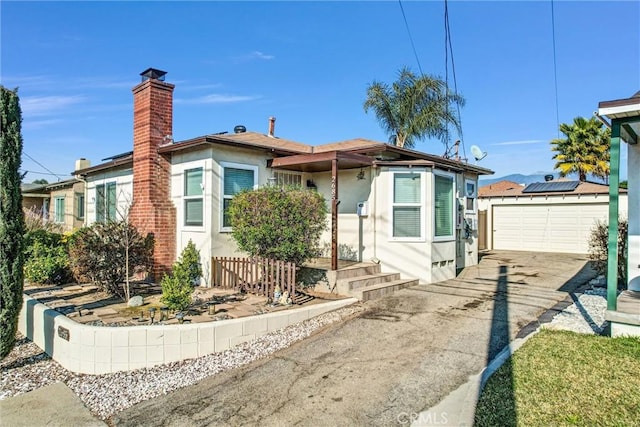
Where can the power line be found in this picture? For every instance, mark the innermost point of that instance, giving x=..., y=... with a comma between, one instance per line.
x=37, y=173
x=555, y=67
x=413, y=46
x=448, y=49
x=42, y=166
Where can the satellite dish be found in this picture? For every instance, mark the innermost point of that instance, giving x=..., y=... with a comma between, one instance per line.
x=478, y=153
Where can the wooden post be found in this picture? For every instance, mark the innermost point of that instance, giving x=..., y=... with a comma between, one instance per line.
x=334, y=214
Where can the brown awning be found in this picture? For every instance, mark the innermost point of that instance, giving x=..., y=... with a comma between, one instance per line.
x=320, y=162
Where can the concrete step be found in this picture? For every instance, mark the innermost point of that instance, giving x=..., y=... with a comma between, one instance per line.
x=381, y=289
x=368, y=280
x=361, y=269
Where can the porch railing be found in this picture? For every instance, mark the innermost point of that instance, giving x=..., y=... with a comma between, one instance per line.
x=254, y=275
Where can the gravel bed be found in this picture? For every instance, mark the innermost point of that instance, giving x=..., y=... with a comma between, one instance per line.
x=27, y=368
x=586, y=315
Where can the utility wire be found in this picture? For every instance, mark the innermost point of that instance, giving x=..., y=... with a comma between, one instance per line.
x=448, y=51
x=555, y=67
x=413, y=46
x=42, y=166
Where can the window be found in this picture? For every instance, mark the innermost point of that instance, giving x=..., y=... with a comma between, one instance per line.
x=235, y=178
x=79, y=205
x=470, y=195
x=443, y=206
x=407, y=206
x=58, y=215
x=106, y=202
x=288, y=179
x=193, y=201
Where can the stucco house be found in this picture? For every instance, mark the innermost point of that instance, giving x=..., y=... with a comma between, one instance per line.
x=624, y=310
x=62, y=202
x=552, y=216
x=414, y=213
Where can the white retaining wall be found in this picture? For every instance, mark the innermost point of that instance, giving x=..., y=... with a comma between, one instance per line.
x=102, y=349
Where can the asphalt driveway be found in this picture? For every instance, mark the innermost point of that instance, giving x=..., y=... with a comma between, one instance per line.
x=404, y=354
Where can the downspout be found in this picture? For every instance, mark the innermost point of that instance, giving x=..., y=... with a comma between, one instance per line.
x=614, y=182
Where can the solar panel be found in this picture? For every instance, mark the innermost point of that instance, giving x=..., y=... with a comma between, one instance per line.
x=551, y=187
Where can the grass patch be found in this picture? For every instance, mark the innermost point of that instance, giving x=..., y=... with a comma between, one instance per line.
x=560, y=378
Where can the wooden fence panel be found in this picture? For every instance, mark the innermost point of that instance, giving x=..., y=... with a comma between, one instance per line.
x=255, y=275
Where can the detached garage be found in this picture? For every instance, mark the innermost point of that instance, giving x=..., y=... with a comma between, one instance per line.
x=555, y=216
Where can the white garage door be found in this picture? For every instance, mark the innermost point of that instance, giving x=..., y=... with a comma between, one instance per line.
x=546, y=228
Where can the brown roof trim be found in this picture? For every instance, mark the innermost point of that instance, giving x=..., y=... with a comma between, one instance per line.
x=60, y=184
x=620, y=102
x=214, y=139
x=118, y=163
x=409, y=163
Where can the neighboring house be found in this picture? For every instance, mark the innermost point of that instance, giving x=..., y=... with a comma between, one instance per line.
x=35, y=198
x=62, y=202
x=412, y=211
x=624, y=310
x=553, y=216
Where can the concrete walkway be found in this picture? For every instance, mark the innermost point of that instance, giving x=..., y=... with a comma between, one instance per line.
x=54, y=405
x=387, y=366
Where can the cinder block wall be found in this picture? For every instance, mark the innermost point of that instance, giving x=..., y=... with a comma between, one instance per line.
x=99, y=350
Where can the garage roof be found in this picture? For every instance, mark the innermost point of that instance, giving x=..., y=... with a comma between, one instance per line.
x=512, y=189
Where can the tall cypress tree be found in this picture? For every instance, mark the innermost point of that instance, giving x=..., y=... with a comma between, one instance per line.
x=11, y=219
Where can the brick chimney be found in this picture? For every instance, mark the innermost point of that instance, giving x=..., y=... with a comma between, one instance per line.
x=152, y=210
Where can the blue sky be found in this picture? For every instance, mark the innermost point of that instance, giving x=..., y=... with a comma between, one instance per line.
x=308, y=64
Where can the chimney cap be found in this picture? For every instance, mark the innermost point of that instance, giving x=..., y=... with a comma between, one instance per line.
x=153, y=73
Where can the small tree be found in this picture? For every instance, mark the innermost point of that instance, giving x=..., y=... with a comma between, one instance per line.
x=178, y=287
x=11, y=219
x=190, y=260
x=284, y=224
x=599, y=248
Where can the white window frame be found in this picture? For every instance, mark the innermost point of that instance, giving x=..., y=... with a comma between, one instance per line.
x=470, y=195
x=420, y=204
x=452, y=177
x=223, y=197
x=58, y=217
x=186, y=198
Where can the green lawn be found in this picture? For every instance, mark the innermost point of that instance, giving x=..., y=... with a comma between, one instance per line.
x=562, y=378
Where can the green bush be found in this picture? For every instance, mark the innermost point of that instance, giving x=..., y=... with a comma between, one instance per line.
x=47, y=260
x=99, y=253
x=599, y=249
x=177, y=288
x=190, y=261
x=284, y=224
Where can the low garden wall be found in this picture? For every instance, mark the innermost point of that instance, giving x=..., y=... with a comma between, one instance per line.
x=102, y=349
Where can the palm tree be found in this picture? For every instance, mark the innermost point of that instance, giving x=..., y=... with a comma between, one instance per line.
x=585, y=150
x=414, y=107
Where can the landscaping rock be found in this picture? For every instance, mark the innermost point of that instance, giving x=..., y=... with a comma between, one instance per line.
x=135, y=301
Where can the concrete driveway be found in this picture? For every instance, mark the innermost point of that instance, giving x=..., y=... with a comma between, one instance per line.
x=404, y=354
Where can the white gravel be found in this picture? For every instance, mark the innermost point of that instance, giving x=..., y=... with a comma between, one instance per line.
x=586, y=315
x=27, y=367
